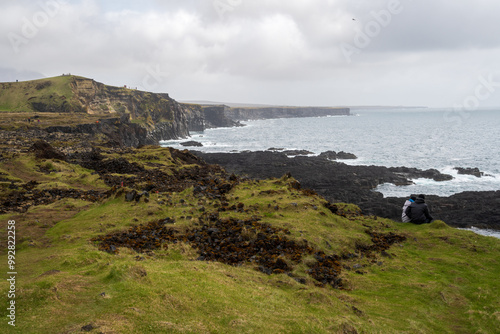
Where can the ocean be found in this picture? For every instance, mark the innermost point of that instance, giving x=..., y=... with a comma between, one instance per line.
x=424, y=138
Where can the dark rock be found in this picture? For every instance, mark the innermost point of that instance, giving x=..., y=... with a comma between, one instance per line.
x=469, y=171
x=415, y=173
x=44, y=150
x=20, y=201
x=331, y=155
x=130, y=196
x=215, y=116
x=88, y=328
x=297, y=152
x=192, y=143
x=346, y=156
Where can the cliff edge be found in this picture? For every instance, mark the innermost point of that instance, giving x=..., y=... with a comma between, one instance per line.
x=151, y=116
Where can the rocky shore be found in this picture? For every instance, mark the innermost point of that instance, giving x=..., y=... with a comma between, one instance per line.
x=339, y=182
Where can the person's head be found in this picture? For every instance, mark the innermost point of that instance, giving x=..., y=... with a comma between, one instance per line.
x=413, y=197
x=422, y=196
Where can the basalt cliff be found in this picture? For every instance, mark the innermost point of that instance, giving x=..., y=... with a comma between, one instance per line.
x=128, y=117
x=236, y=113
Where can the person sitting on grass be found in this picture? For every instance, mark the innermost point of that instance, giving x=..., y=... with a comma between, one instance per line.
x=418, y=212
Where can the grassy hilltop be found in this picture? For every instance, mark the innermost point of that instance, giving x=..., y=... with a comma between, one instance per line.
x=153, y=240
x=69, y=94
x=25, y=96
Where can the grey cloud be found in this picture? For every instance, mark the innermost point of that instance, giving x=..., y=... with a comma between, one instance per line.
x=265, y=51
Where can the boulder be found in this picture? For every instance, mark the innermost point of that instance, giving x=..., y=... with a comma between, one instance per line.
x=192, y=143
x=44, y=150
x=331, y=155
x=469, y=171
x=345, y=156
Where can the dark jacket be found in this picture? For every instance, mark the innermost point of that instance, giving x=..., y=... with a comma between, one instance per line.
x=419, y=212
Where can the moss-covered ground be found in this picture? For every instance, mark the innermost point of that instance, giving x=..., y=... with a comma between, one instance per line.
x=435, y=280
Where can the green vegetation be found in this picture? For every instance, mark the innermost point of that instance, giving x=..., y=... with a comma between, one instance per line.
x=30, y=96
x=439, y=280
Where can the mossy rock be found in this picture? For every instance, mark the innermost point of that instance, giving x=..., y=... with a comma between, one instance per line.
x=438, y=225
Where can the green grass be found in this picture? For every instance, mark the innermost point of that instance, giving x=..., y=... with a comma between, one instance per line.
x=440, y=280
x=18, y=96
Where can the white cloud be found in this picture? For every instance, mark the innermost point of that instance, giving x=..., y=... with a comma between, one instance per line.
x=428, y=53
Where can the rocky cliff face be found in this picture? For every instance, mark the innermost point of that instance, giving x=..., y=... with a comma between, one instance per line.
x=141, y=117
x=144, y=117
x=160, y=115
x=252, y=113
x=216, y=117
x=195, y=117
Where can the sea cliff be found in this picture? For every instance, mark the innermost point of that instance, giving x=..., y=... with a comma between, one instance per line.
x=253, y=113
x=146, y=117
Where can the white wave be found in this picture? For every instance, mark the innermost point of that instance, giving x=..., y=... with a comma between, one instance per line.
x=485, y=232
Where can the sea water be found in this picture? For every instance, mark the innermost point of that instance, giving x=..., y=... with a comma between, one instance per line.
x=441, y=139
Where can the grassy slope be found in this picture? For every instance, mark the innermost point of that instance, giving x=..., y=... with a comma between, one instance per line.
x=17, y=96
x=440, y=280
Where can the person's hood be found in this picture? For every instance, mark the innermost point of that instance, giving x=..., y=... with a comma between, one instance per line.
x=419, y=200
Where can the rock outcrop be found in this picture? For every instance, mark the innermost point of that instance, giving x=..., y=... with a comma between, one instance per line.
x=216, y=117
x=161, y=116
x=469, y=171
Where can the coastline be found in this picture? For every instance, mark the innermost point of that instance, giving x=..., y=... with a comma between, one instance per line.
x=339, y=182
x=378, y=138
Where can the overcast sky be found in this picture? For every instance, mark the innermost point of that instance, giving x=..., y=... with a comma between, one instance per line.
x=436, y=53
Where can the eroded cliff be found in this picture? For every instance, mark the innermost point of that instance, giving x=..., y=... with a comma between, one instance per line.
x=128, y=116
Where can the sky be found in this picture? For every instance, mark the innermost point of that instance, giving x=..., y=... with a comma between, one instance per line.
x=434, y=53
